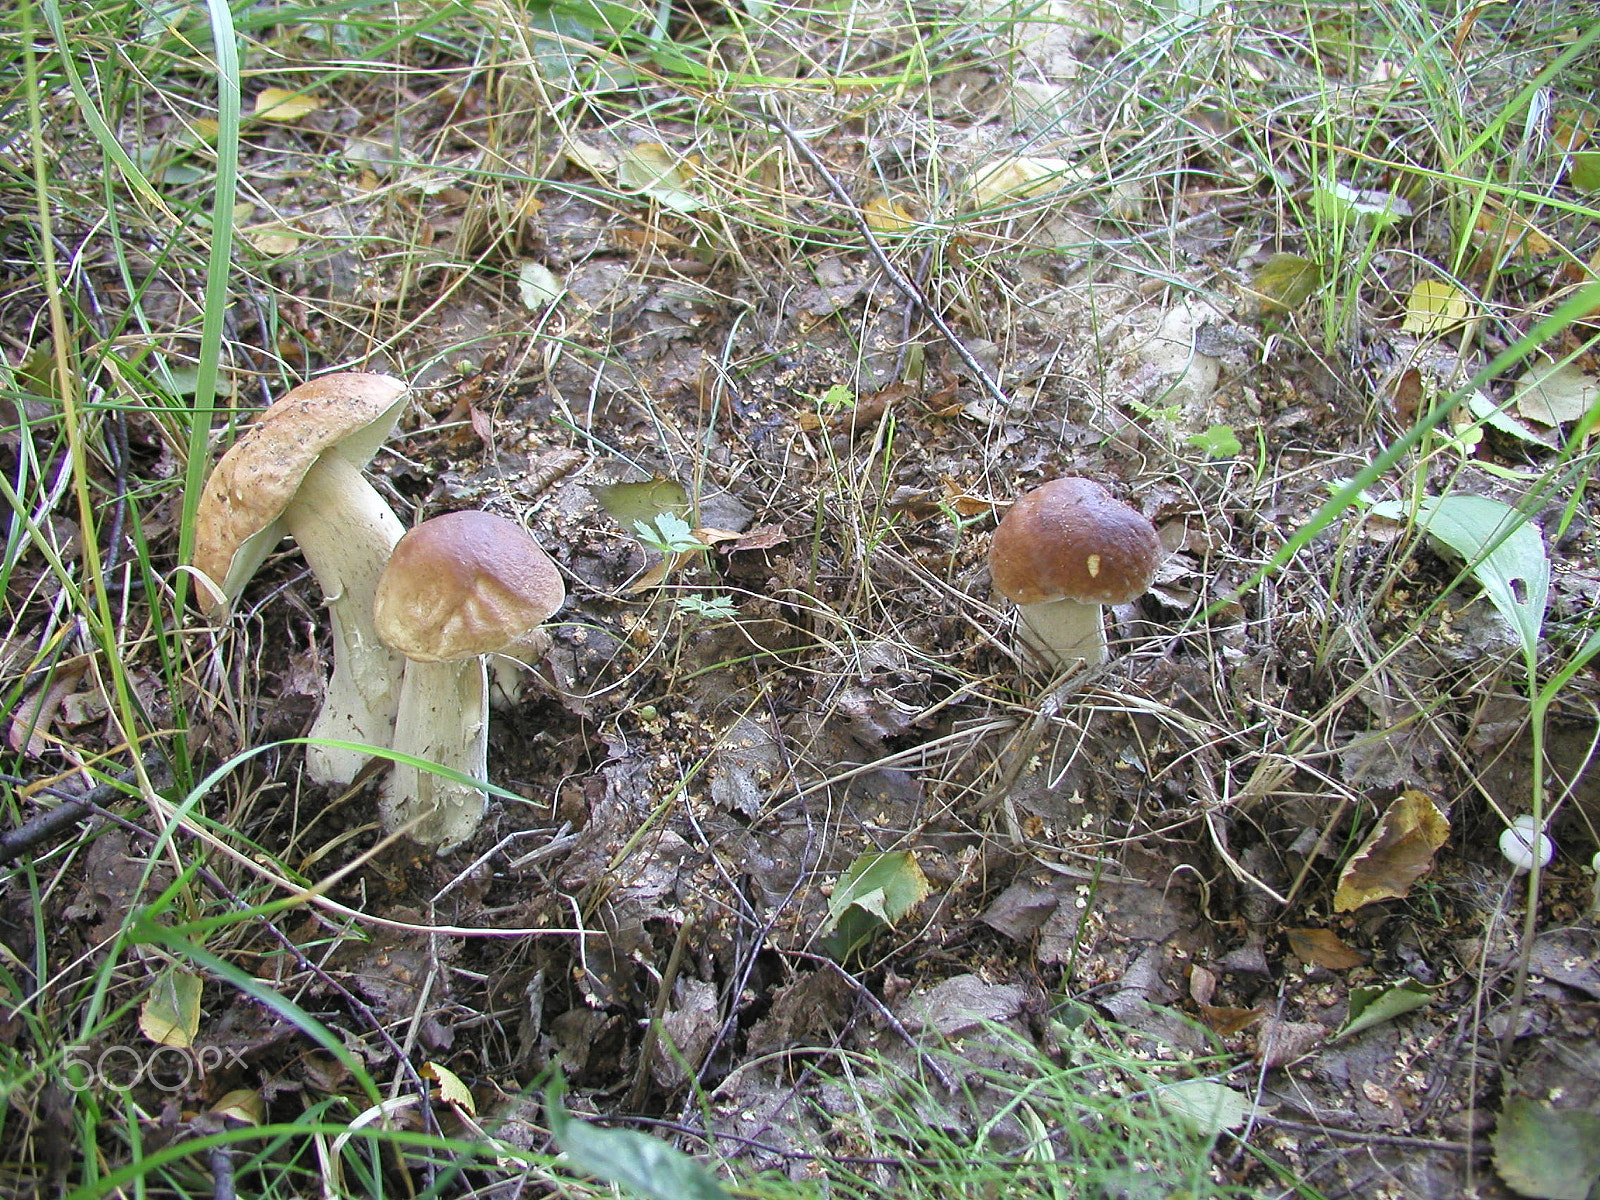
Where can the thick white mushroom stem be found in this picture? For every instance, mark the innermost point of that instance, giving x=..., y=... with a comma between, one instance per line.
x=443, y=719
x=1067, y=634
x=346, y=533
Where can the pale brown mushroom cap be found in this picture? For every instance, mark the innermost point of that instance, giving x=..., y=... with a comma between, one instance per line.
x=237, y=520
x=1069, y=539
x=464, y=584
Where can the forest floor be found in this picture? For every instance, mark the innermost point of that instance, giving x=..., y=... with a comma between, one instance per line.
x=815, y=295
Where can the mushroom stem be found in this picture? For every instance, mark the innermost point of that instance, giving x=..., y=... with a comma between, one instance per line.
x=1065, y=633
x=346, y=533
x=443, y=719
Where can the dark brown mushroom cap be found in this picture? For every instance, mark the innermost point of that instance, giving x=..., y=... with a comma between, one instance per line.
x=1069, y=539
x=464, y=584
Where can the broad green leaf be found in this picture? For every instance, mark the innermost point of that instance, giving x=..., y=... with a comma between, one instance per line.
x=875, y=892
x=1505, y=553
x=631, y=503
x=1550, y=1153
x=170, y=1014
x=638, y=1163
x=1219, y=441
x=1376, y=1004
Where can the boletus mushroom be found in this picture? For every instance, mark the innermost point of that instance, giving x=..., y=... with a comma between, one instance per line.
x=1063, y=550
x=296, y=472
x=458, y=588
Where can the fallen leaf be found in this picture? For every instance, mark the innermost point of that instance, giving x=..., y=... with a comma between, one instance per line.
x=1335, y=201
x=1285, y=282
x=280, y=104
x=1395, y=855
x=1225, y=1021
x=1550, y=1153
x=884, y=214
x=1435, y=307
x=275, y=240
x=1322, y=948
x=1020, y=177
x=170, y=1014
x=1377, y=1003
x=1554, y=393
x=660, y=174
x=1282, y=1042
x=244, y=1105
x=451, y=1089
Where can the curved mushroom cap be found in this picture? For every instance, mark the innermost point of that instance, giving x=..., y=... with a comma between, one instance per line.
x=237, y=520
x=1069, y=539
x=464, y=584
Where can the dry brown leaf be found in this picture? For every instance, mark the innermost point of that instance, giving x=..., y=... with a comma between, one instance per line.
x=1395, y=855
x=1322, y=948
x=1225, y=1022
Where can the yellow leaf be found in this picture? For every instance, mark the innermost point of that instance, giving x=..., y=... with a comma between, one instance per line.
x=242, y=1105
x=451, y=1089
x=170, y=1014
x=280, y=104
x=273, y=239
x=1395, y=855
x=887, y=215
x=1020, y=177
x=1434, y=308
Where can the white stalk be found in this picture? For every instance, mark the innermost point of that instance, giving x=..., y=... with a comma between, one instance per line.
x=1065, y=633
x=444, y=719
x=346, y=533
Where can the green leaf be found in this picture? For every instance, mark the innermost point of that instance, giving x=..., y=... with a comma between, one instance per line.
x=1550, y=1153
x=1378, y=1003
x=631, y=503
x=1504, y=552
x=875, y=892
x=638, y=1163
x=1219, y=441
x=170, y=1015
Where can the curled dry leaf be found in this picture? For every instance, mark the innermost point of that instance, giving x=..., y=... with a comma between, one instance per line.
x=1395, y=855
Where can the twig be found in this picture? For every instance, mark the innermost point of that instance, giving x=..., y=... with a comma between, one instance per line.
x=48, y=825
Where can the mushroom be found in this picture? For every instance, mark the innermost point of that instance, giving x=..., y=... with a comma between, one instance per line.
x=1062, y=551
x=296, y=472
x=457, y=588
x=1518, y=842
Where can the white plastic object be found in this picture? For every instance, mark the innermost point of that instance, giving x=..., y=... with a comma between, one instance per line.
x=1517, y=843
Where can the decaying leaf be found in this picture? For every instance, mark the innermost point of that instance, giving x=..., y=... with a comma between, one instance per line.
x=1020, y=177
x=1285, y=282
x=280, y=104
x=1556, y=393
x=170, y=1014
x=450, y=1088
x=1549, y=1153
x=1322, y=948
x=660, y=174
x=1395, y=855
x=1435, y=307
x=244, y=1105
x=630, y=503
x=884, y=214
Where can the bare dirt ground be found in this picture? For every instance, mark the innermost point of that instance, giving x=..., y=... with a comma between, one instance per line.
x=702, y=751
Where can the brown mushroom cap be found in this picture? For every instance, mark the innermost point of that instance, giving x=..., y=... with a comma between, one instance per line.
x=237, y=520
x=464, y=584
x=1069, y=539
